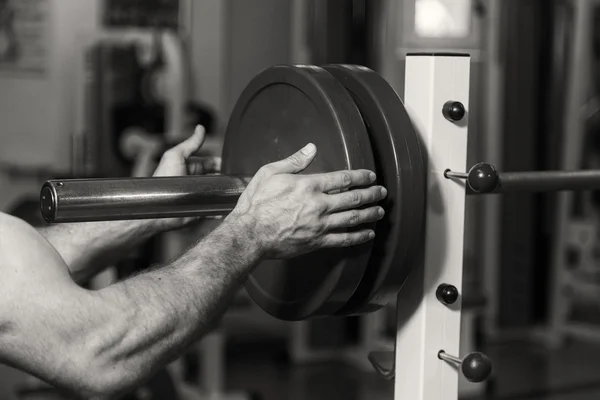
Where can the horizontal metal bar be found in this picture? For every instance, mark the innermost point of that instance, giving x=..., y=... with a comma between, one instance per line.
x=85, y=200
x=548, y=181
x=483, y=178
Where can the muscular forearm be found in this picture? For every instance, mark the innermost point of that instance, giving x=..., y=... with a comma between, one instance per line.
x=111, y=340
x=89, y=247
x=162, y=312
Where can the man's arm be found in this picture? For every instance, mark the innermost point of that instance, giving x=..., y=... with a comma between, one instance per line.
x=101, y=343
x=87, y=248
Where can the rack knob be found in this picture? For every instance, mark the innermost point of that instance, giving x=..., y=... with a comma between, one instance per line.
x=447, y=294
x=454, y=111
x=476, y=367
x=483, y=178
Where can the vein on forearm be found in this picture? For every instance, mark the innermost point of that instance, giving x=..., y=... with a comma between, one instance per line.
x=170, y=307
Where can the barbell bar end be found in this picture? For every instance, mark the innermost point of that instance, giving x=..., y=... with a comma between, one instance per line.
x=49, y=202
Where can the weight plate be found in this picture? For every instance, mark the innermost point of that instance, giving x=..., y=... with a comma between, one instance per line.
x=279, y=112
x=400, y=168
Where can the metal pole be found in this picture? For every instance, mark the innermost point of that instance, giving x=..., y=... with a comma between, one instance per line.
x=492, y=149
x=484, y=179
x=85, y=200
x=548, y=181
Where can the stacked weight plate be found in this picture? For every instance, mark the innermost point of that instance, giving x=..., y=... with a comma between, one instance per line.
x=357, y=121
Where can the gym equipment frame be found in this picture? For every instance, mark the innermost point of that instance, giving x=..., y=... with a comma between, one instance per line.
x=426, y=327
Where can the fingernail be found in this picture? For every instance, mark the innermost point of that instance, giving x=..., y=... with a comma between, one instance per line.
x=381, y=212
x=309, y=149
x=372, y=176
x=384, y=192
x=371, y=235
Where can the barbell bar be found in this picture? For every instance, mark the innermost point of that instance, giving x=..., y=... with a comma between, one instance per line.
x=87, y=200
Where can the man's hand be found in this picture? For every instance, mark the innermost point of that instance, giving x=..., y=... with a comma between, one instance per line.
x=174, y=161
x=90, y=247
x=291, y=214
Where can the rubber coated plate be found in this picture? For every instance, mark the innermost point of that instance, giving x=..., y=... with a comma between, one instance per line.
x=281, y=110
x=400, y=168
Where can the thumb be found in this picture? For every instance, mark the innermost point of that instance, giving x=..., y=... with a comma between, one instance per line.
x=191, y=145
x=297, y=162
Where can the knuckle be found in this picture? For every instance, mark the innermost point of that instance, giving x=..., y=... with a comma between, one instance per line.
x=354, y=218
x=307, y=184
x=265, y=170
x=322, y=227
x=325, y=227
x=347, y=241
x=315, y=206
x=294, y=160
x=355, y=198
x=333, y=180
x=325, y=241
x=322, y=207
x=345, y=178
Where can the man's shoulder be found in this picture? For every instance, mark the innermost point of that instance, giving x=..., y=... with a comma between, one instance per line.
x=11, y=232
x=21, y=243
x=8, y=222
x=14, y=230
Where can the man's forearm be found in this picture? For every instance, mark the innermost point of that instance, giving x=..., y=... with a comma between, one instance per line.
x=167, y=309
x=109, y=341
x=88, y=247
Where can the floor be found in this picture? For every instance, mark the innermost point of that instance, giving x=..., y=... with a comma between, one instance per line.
x=522, y=372
x=322, y=382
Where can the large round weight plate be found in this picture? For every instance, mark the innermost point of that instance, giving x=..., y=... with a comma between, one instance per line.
x=279, y=112
x=399, y=167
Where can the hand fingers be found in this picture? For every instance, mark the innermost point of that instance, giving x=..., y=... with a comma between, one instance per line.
x=347, y=239
x=355, y=198
x=295, y=163
x=349, y=219
x=203, y=165
x=188, y=147
x=195, y=167
x=339, y=180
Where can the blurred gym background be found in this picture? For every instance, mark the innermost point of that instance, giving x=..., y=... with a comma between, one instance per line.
x=98, y=88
